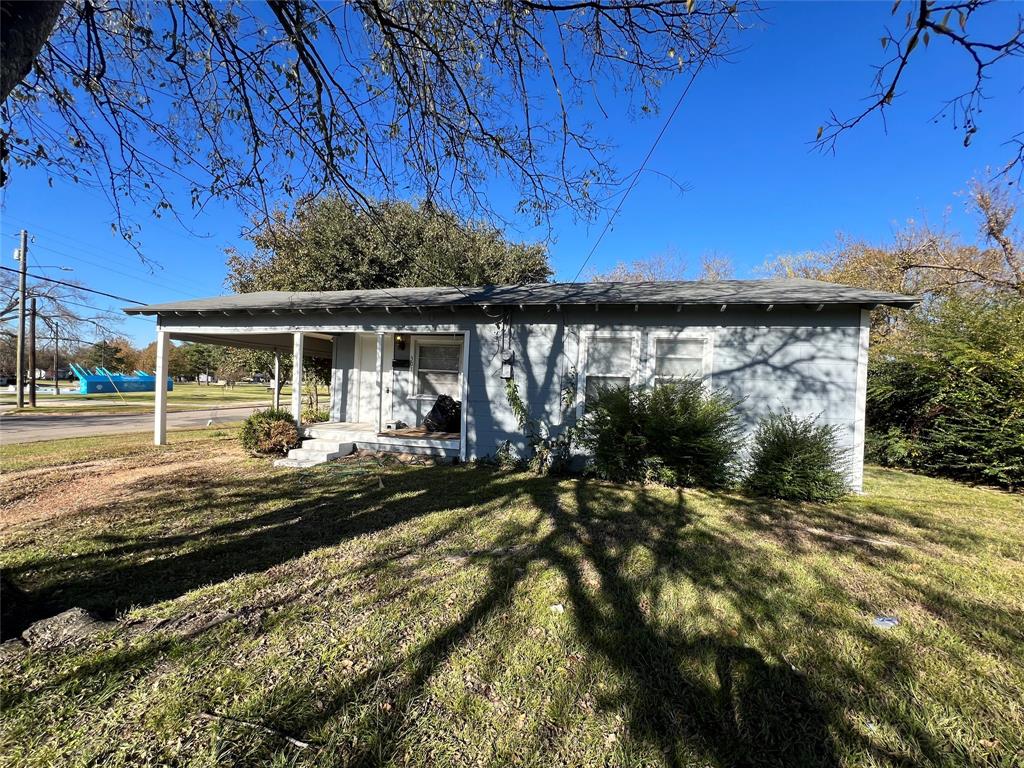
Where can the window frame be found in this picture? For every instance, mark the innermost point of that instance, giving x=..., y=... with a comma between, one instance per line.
x=654, y=335
x=586, y=337
x=419, y=341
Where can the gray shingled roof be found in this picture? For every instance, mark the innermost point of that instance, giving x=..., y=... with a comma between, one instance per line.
x=782, y=291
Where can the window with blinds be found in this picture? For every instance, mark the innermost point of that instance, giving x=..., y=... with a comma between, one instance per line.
x=437, y=369
x=677, y=359
x=609, y=365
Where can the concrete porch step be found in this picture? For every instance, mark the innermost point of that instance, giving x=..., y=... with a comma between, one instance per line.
x=395, y=446
x=313, y=452
x=309, y=453
x=326, y=445
x=338, y=432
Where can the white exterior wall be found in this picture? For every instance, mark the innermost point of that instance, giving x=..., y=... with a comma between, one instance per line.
x=812, y=362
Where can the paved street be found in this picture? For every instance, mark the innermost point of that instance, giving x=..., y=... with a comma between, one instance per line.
x=28, y=429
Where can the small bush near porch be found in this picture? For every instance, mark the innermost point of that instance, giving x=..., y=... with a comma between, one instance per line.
x=353, y=614
x=269, y=432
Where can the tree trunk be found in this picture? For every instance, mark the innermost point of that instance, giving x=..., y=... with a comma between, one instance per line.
x=25, y=25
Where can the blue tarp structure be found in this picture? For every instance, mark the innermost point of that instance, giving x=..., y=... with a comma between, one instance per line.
x=102, y=381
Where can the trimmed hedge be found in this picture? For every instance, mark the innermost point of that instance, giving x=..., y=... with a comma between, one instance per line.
x=269, y=432
x=677, y=434
x=795, y=459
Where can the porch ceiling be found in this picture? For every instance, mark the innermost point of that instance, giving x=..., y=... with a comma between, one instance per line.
x=314, y=344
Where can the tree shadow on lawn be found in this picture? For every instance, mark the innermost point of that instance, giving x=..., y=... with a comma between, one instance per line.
x=126, y=571
x=748, y=719
x=753, y=710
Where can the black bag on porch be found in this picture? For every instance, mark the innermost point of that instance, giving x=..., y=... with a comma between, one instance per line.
x=445, y=416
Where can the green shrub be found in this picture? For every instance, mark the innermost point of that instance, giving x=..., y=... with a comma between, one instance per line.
x=315, y=415
x=949, y=398
x=269, y=432
x=677, y=434
x=795, y=459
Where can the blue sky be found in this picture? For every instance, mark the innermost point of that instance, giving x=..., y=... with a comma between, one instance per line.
x=740, y=143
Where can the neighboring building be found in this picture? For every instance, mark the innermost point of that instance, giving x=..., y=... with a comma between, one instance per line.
x=797, y=344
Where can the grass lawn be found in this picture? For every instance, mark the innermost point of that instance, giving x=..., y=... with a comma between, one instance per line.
x=359, y=614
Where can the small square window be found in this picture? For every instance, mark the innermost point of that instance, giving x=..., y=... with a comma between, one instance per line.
x=609, y=365
x=598, y=384
x=437, y=369
x=609, y=356
x=677, y=359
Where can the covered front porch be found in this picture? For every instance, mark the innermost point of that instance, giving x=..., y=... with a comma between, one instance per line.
x=383, y=384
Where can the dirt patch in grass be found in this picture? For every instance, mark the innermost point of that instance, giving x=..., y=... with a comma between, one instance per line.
x=53, y=492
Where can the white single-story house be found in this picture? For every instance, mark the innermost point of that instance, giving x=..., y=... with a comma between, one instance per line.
x=774, y=344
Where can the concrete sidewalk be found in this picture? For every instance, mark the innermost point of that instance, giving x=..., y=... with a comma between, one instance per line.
x=30, y=429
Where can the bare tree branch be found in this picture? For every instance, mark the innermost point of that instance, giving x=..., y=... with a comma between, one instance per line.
x=263, y=104
x=927, y=21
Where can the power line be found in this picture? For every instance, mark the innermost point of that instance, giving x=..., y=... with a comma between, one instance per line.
x=654, y=146
x=78, y=287
x=85, y=247
x=151, y=281
x=86, y=306
x=62, y=301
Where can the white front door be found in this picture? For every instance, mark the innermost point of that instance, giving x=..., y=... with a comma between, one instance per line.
x=366, y=369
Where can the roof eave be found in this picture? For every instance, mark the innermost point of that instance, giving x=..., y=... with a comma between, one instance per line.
x=908, y=302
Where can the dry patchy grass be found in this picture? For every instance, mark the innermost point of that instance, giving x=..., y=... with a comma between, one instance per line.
x=461, y=616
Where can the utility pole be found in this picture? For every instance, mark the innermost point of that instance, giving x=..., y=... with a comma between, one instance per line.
x=32, y=354
x=56, y=357
x=22, y=257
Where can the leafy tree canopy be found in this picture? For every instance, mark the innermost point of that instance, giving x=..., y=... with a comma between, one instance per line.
x=116, y=355
x=329, y=244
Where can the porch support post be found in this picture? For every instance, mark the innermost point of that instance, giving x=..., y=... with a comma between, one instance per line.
x=380, y=380
x=464, y=422
x=297, y=377
x=160, y=389
x=277, y=380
